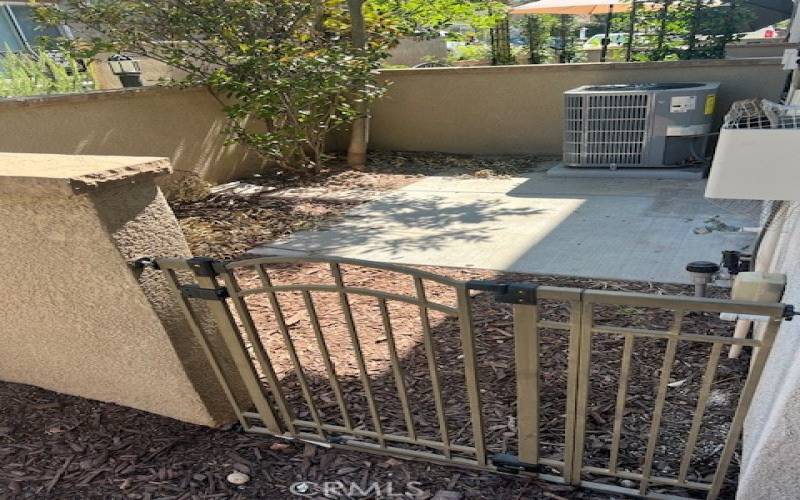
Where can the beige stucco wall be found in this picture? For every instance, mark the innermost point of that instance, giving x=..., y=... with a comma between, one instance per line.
x=76, y=319
x=480, y=110
x=182, y=125
x=772, y=429
x=518, y=109
x=756, y=48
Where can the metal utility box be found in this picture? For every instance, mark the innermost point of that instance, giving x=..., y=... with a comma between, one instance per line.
x=638, y=125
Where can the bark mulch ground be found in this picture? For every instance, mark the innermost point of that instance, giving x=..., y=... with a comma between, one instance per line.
x=57, y=446
x=495, y=359
x=60, y=446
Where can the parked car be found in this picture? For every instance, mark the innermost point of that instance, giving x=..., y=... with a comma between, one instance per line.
x=615, y=40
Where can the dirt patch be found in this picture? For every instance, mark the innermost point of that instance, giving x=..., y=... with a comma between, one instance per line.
x=227, y=224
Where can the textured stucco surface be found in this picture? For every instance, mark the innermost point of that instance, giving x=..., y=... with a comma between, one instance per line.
x=78, y=322
x=46, y=175
x=478, y=110
x=183, y=125
x=772, y=429
x=519, y=109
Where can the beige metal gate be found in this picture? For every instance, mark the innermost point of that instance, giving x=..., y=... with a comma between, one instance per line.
x=579, y=323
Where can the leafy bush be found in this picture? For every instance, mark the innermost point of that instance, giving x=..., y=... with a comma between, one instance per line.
x=28, y=75
x=472, y=52
x=290, y=70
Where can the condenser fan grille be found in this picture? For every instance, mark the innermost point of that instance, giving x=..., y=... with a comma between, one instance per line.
x=605, y=129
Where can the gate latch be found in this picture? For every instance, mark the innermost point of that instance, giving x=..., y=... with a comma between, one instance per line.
x=198, y=292
x=507, y=293
x=511, y=464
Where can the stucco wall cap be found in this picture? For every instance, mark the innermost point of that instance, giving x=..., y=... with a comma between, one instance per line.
x=48, y=174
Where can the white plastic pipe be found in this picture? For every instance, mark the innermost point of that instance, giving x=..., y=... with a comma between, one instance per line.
x=763, y=263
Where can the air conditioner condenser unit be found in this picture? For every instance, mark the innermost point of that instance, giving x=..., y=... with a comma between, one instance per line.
x=638, y=125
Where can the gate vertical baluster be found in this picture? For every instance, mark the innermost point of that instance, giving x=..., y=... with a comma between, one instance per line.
x=583, y=352
x=471, y=371
x=666, y=370
x=702, y=397
x=619, y=411
x=433, y=366
x=205, y=276
x=526, y=357
x=745, y=399
x=397, y=370
x=283, y=329
x=336, y=271
x=573, y=358
x=326, y=360
x=258, y=348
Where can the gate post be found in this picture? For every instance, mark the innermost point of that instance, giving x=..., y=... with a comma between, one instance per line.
x=205, y=272
x=577, y=390
x=526, y=357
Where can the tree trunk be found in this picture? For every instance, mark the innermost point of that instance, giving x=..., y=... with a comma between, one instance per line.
x=631, y=33
x=662, y=31
x=533, y=40
x=359, y=136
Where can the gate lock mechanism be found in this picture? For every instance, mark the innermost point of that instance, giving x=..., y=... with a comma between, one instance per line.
x=507, y=293
x=511, y=464
x=198, y=292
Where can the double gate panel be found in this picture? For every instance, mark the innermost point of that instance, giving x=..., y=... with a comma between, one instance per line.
x=387, y=359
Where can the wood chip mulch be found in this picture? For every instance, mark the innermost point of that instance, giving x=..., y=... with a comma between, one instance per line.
x=58, y=446
x=495, y=352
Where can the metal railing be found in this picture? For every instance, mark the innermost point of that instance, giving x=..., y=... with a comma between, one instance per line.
x=272, y=410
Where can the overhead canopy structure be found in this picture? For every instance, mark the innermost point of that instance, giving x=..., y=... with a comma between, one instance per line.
x=582, y=7
x=573, y=7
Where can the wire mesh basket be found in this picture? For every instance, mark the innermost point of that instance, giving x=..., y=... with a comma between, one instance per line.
x=761, y=114
x=781, y=115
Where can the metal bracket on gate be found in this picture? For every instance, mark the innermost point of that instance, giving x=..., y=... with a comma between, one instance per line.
x=511, y=464
x=206, y=266
x=198, y=292
x=507, y=293
x=144, y=263
x=789, y=312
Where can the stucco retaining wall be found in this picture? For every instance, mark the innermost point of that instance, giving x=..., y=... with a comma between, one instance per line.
x=182, y=125
x=475, y=110
x=75, y=318
x=518, y=109
x=772, y=428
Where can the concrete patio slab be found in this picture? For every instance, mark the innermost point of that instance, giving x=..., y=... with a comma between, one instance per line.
x=689, y=173
x=637, y=229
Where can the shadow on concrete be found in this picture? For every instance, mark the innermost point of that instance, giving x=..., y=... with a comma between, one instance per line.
x=408, y=225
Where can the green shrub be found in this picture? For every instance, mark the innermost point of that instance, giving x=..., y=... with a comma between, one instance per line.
x=475, y=52
x=29, y=75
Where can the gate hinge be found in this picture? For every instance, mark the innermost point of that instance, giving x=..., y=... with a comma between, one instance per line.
x=337, y=439
x=143, y=263
x=198, y=292
x=206, y=266
x=512, y=464
x=507, y=293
